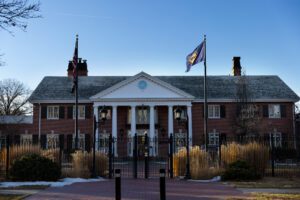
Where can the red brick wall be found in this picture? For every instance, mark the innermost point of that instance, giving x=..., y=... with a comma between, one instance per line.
x=62, y=126
x=223, y=125
x=226, y=125
x=16, y=129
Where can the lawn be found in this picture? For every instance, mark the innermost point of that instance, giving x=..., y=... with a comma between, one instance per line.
x=268, y=182
x=11, y=197
x=267, y=196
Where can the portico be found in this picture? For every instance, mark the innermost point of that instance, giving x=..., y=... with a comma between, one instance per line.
x=142, y=95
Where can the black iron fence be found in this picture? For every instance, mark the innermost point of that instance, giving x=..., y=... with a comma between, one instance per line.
x=141, y=156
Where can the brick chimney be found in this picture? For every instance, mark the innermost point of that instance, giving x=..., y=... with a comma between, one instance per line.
x=82, y=68
x=236, y=66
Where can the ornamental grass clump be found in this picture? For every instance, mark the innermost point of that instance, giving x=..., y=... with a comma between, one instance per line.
x=201, y=164
x=253, y=153
x=82, y=165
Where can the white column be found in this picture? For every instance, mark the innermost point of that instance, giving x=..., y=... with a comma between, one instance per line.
x=133, y=128
x=170, y=121
x=97, y=134
x=151, y=132
x=189, y=112
x=114, y=127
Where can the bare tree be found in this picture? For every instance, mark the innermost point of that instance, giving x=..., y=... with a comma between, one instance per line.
x=247, y=113
x=14, y=98
x=15, y=13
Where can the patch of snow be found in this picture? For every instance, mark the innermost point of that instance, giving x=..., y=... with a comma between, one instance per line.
x=60, y=183
x=214, y=179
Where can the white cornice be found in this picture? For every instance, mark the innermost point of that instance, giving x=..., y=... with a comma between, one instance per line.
x=253, y=100
x=60, y=101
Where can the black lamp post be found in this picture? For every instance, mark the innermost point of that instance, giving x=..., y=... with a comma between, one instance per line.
x=103, y=115
x=178, y=115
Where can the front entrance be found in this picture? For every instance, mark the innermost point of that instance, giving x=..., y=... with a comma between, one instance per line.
x=145, y=161
x=141, y=143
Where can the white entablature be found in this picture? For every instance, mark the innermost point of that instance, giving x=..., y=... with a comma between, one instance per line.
x=142, y=86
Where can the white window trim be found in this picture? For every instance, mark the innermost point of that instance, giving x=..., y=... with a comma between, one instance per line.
x=274, y=116
x=26, y=139
x=137, y=117
x=214, y=112
x=52, y=107
x=277, y=143
x=81, y=140
x=216, y=138
x=52, y=136
x=74, y=114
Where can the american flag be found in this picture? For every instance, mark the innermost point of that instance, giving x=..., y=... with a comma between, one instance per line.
x=74, y=62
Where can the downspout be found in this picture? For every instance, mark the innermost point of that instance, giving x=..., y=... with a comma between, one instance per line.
x=39, y=141
x=294, y=128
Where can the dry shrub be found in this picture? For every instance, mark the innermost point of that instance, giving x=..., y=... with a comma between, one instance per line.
x=255, y=154
x=179, y=161
x=82, y=165
x=201, y=164
x=52, y=154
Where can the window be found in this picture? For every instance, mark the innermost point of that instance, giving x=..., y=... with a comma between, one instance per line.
x=277, y=139
x=52, y=112
x=26, y=139
x=214, y=111
x=81, y=141
x=213, y=138
x=249, y=111
x=52, y=141
x=103, y=142
x=179, y=141
x=274, y=111
x=142, y=116
x=81, y=112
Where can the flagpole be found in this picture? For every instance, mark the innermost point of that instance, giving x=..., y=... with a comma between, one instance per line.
x=76, y=100
x=205, y=98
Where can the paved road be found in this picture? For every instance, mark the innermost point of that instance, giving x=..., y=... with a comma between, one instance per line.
x=140, y=189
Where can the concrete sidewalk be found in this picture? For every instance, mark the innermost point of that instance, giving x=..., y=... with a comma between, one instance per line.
x=140, y=189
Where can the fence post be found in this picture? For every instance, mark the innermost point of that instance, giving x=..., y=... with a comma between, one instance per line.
x=272, y=154
x=162, y=184
x=220, y=152
x=171, y=155
x=110, y=157
x=135, y=154
x=7, y=156
x=146, y=156
x=60, y=156
x=118, y=184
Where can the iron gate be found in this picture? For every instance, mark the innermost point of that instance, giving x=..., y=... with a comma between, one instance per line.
x=140, y=156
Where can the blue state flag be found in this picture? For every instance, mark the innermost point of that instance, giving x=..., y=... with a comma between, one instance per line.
x=198, y=55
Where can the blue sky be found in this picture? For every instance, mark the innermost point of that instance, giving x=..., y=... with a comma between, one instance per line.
x=126, y=37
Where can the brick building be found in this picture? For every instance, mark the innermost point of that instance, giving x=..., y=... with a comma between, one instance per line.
x=145, y=104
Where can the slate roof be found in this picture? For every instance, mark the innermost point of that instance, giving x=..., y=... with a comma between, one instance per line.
x=219, y=87
x=12, y=119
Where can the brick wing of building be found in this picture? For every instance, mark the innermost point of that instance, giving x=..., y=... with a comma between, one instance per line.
x=145, y=104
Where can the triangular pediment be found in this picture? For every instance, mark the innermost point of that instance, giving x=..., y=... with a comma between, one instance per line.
x=142, y=86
